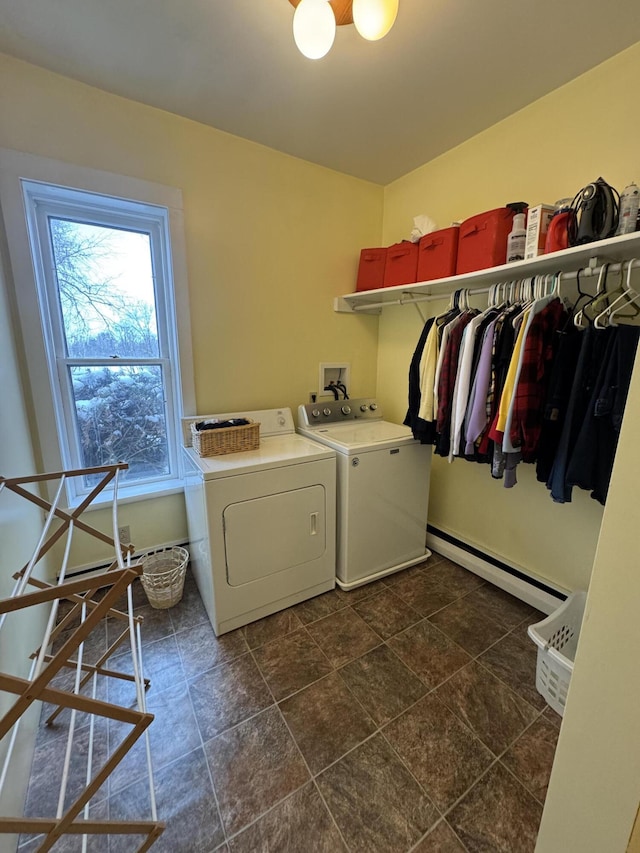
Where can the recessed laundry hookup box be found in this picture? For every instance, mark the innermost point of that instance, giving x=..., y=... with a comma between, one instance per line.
x=482, y=240
x=371, y=269
x=401, y=266
x=438, y=254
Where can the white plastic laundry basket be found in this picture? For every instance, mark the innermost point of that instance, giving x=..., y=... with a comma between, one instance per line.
x=557, y=639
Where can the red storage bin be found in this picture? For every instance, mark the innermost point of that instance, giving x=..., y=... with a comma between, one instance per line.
x=482, y=241
x=371, y=269
x=402, y=264
x=437, y=254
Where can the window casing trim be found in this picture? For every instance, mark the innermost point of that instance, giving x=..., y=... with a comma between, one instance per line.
x=165, y=204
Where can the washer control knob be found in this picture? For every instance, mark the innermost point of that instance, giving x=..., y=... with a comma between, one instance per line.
x=316, y=413
x=363, y=407
x=326, y=412
x=373, y=407
x=346, y=410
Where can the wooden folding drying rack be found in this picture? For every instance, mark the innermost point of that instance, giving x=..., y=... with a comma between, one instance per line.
x=92, y=599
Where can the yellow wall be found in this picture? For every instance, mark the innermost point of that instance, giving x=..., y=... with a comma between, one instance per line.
x=270, y=240
x=20, y=527
x=544, y=152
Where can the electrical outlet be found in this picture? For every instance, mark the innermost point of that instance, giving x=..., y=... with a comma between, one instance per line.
x=124, y=533
x=313, y=396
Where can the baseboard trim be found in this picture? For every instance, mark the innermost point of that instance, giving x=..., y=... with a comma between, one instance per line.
x=97, y=567
x=512, y=579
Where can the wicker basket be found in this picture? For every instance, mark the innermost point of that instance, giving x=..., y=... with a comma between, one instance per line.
x=217, y=442
x=163, y=573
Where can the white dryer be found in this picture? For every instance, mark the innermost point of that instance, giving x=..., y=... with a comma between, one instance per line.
x=261, y=522
x=383, y=488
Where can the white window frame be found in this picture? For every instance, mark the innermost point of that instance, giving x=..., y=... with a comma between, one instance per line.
x=31, y=188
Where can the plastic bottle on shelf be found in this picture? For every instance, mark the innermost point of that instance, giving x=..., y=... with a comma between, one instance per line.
x=517, y=239
x=629, y=205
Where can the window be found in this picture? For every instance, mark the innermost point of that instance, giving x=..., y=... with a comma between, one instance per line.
x=103, y=276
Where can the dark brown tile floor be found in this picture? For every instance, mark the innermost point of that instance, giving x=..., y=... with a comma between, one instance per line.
x=400, y=717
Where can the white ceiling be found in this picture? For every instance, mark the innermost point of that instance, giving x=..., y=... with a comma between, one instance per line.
x=376, y=110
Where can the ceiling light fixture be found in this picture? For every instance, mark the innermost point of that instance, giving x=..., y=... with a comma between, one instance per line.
x=315, y=21
x=314, y=28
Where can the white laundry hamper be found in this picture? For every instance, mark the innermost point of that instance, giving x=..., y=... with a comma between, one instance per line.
x=557, y=640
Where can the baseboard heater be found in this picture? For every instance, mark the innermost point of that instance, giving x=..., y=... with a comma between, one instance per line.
x=516, y=581
x=101, y=567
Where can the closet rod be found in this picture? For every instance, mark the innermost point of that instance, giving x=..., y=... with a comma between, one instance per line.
x=409, y=299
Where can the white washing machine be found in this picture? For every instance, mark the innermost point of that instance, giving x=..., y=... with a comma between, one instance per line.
x=261, y=522
x=382, y=491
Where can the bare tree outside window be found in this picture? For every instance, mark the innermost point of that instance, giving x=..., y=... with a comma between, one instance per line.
x=106, y=297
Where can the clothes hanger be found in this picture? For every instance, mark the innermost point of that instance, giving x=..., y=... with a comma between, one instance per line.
x=628, y=296
x=452, y=311
x=605, y=318
x=540, y=286
x=581, y=293
x=541, y=292
x=603, y=300
x=581, y=320
x=632, y=303
x=491, y=307
x=572, y=307
x=528, y=298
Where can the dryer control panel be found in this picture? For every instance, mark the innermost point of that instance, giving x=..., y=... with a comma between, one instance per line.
x=338, y=411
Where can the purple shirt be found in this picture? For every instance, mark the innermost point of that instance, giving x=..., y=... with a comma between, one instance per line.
x=476, y=419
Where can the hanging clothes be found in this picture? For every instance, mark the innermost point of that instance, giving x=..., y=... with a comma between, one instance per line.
x=594, y=345
x=592, y=458
x=523, y=384
x=497, y=429
x=534, y=309
x=477, y=417
x=504, y=341
x=444, y=331
x=530, y=393
x=427, y=373
x=421, y=431
x=525, y=410
x=447, y=380
x=567, y=345
x=462, y=384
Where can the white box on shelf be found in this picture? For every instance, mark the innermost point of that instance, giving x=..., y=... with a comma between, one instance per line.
x=538, y=219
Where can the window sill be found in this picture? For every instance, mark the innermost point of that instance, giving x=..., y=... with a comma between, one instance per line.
x=132, y=494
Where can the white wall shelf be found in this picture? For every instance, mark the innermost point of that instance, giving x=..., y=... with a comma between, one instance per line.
x=615, y=249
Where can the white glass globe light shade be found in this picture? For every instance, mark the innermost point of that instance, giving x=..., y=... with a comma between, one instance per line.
x=374, y=18
x=314, y=28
